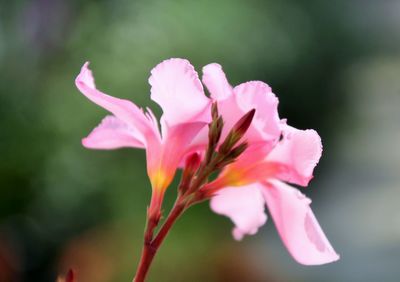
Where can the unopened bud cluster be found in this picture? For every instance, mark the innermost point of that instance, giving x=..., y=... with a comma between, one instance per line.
x=216, y=157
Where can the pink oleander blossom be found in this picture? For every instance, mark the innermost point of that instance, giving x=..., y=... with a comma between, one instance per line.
x=175, y=86
x=277, y=154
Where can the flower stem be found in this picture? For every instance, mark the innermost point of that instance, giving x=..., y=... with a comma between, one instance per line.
x=148, y=251
x=189, y=196
x=176, y=211
x=148, y=254
x=151, y=247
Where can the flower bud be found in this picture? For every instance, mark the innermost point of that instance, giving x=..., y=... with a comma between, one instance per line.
x=214, y=111
x=232, y=155
x=237, y=132
x=192, y=164
x=69, y=277
x=238, y=150
x=215, y=130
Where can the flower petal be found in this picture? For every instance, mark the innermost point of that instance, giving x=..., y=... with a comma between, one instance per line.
x=297, y=225
x=215, y=80
x=247, y=169
x=112, y=133
x=244, y=206
x=175, y=86
x=124, y=110
x=299, y=152
x=258, y=95
x=162, y=162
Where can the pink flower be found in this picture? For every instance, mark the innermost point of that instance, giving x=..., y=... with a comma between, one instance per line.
x=277, y=154
x=175, y=86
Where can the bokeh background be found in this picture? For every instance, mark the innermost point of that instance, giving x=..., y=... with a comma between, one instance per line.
x=335, y=66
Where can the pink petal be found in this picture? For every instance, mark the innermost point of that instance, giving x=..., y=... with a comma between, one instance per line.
x=112, y=133
x=258, y=95
x=231, y=113
x=215, y=80
x=175, y=86
x=253, y=156
x=244, y=206
x=297, y=225
x=168, y=157
x=247, y=96
x=299, y=151
x=124, y=110
x=247, y=169
x=200, y=141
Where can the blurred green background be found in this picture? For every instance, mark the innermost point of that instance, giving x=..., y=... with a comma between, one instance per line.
x=335, y=66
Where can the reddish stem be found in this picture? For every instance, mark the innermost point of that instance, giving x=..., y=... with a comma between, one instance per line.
x=151, y=247
x=177, y=210
x=147, y=257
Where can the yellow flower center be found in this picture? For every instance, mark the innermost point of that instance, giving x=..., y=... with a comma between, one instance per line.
x=160, y=179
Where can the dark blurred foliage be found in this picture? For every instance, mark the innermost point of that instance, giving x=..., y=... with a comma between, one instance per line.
x=63, y=205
